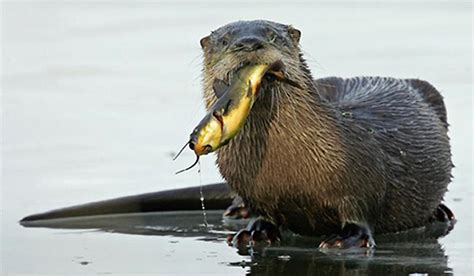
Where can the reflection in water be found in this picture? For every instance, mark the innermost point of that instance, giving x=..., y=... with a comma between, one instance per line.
x=387, y=259
x=415, y=251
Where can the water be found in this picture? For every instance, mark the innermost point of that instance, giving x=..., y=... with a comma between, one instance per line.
x=201, y=198
x=96, y=97
x=411, y=252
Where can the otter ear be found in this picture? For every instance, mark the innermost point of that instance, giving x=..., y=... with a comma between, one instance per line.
x=295, y=34
x=205, y=41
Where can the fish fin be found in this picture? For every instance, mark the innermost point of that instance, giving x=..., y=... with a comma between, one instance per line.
x=219, y=87
x=277, y=66
x=280, y=75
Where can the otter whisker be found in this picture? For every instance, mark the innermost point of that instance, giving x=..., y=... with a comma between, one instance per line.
x=292, y=83
x=292, y=102
x=190, y=167
x=275, y=101
x=272, y=102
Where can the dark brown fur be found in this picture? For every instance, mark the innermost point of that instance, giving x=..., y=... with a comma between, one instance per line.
x=368, y=150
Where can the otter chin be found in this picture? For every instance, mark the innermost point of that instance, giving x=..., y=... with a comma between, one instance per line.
x=341, y=158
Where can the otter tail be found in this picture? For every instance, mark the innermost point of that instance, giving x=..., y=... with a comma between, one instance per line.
x=217, y=196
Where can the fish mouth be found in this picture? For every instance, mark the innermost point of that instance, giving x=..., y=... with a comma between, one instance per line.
x=200, y=150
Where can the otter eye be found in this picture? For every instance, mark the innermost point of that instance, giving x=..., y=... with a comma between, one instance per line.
x=225, y=42
x=272, y=37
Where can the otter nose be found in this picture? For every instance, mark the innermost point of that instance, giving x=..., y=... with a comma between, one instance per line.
x=248, y=44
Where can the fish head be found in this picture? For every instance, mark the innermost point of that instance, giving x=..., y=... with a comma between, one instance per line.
x=227, y=116
x=207, y=135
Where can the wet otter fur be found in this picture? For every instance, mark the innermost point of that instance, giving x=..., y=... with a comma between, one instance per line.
x=369, y=152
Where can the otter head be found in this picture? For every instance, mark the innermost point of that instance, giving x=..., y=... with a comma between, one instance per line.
x=242, y=43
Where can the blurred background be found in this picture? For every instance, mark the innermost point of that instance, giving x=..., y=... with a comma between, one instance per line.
x=98, y=96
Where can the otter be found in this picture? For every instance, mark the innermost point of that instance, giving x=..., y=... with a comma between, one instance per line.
x=342, y=158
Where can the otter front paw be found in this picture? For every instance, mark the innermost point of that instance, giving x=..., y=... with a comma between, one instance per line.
x=258, y=231
x=351, y=235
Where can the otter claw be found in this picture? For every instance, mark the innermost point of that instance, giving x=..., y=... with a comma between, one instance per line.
x=257, y=231
x=352, y=235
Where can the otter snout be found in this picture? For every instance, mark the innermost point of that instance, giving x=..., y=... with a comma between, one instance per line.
x=248, y=44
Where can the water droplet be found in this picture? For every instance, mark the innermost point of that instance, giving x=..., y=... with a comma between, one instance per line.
x=203, y=206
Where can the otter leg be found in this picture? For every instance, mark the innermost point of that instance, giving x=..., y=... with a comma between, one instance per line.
x=259, y=230
x=351, y=235
x=237, y=210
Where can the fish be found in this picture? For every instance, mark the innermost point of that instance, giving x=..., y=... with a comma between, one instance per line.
x=228, y=114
